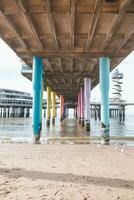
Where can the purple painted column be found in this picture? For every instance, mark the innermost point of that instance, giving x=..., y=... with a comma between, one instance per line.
x=78, y=107
x=87, y=94
x=82, y=105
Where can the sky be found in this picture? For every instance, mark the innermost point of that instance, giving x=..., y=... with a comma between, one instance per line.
x=11, y=78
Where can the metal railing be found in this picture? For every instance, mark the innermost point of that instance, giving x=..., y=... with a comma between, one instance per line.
x=26, y=69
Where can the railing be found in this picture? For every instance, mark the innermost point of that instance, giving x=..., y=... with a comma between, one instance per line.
x=117, y=76
x=15, y=103
x=21, y=103
x=26, y=69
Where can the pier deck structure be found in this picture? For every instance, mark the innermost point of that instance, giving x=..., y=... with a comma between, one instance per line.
x=67, y=41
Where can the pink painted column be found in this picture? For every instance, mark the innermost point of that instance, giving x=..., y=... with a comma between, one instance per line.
x=87, y=94
x=78, y=108
x=82, y=105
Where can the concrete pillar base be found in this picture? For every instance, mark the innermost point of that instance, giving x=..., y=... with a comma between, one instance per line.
x=27, y=115
x=87, y=125
x=53, y=120
x=105, y=141
x=37, y=140
x=105, y=137
x=12, y=115
x=21, y=115
x=48, y=122
x=40, y=127
x=4, y=115
x=82, y=122
x=61, y=118
x=27, y=112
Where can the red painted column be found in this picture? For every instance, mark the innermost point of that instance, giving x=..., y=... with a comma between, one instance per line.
x=61, y=107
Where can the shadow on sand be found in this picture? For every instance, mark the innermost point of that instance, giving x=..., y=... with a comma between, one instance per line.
x=80, y=179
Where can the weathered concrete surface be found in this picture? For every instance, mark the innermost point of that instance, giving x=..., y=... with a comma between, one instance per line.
x=70, y=35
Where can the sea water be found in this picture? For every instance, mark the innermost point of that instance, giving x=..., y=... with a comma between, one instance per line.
x=20, y=129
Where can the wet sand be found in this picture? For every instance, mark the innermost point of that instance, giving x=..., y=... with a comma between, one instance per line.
x=66, y=172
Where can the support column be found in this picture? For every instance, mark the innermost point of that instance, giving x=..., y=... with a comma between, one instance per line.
x=12, y=112
x=87, y=94
x=41, y=97
x=79, y=108
x=0, y=111
x=48, y=106
x=8, y=112
x=82, y=105
x=53, y=107
x=99, y=110
x=123, y=113
x=37, y=89
x=65, y=111
x=61, y=107
x=44, y=112
x=95, y=113
x=20, y=112
x=4, y=112
x=27, y=112
x=104, y=67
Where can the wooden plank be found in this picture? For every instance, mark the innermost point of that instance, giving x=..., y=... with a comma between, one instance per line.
x=13, y=28
x=52, y=24
x=92, y=26
x=59, y=54
x=71, y=66
x=58, y=75
x=29, y=20
x=93, y=65
x=49, y=65
x=72, y=23
x=127, y=37
x=122, y=10
x=60, y=65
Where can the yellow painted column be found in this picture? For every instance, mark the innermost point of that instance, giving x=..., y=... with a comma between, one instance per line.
x=61, y=107
x=41, y=109
x=53, y=107
x=48, y=105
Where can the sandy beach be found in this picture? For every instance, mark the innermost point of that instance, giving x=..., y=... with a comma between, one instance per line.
x=66, y=172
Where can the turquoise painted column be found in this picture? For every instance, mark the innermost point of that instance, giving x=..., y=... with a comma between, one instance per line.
x=37, y=94
x=104, y=66
x=87, y=94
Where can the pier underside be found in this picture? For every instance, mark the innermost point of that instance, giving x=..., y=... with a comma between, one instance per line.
x=70, y=35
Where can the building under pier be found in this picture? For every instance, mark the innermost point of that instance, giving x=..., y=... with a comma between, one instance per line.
x=14, y=103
